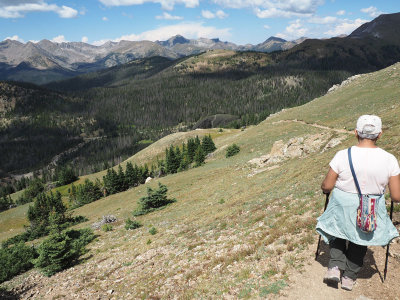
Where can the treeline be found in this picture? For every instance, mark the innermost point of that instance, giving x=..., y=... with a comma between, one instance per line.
x=177, y=159
x=168, y=99
x=62, y=175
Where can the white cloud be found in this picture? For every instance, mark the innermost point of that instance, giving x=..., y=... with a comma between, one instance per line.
x=207, y=14
x=322, y=20
x=104, y=19
x=345, y=27
x=221, y=14
x=167, y=16
x=267, y=26
x=295, y=30
x=341, y=12
x=15, y=38
x=66, y=12
x=59, y=39
x=191, y=30
x=210, y=15
x=275, y=8
x=165, y=4
x=372, y=11
x=84, y=39
x=18, y=9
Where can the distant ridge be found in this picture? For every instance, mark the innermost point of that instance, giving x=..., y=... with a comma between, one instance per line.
x=48, y=61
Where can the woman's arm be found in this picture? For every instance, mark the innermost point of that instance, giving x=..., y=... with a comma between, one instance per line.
x=394, y=188
x=329, y=182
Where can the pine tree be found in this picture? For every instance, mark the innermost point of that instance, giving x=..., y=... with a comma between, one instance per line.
x=131, y=175
x=199, y=156
x=56, y=252
x=191, y=149
x=72, y=194
x=121, y=180
x=208, y=144
x=172, y=161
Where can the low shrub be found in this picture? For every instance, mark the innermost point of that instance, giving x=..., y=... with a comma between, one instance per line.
x=153, y=231
x=130, y=225
x=15, y=260
x=232, y=150
x=155, y=199
x=62, y=250
x=106, y=227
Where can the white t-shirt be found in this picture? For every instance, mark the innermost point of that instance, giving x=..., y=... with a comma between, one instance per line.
x=373, y=168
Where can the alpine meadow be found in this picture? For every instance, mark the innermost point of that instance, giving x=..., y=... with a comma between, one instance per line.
x=175, y=170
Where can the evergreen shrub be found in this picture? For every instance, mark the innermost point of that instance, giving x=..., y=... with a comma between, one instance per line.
x=232, y=150
x=61, y=250
x=15, y=260
x=155, y=199
x=130, y=225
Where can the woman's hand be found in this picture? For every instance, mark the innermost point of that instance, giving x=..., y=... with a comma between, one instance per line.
x=394, y=188
x=329, y=182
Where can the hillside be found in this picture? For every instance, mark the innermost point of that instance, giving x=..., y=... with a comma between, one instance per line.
x=116, y=109
x=240, y=229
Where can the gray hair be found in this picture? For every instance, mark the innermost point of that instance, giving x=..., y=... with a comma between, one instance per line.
x=367, y=135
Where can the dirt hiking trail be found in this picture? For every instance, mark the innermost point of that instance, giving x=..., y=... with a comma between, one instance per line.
x=308, y=283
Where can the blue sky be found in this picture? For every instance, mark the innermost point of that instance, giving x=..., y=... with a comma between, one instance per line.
x=238, y=21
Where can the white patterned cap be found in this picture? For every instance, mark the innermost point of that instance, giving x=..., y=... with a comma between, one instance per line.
x=369, y=124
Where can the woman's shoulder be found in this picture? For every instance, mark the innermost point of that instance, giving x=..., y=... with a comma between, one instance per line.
x=388, y=155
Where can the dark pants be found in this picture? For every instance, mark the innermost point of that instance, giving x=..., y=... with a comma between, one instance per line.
x=349, y=259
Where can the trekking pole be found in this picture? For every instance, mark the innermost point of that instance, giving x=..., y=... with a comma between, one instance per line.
x=319, y=239
x=387, y=247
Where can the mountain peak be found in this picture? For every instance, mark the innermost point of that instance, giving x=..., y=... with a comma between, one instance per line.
x=386, y=27
x=274, y=39
x=177, y=39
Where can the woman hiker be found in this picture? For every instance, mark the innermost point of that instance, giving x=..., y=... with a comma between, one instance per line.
x=339, y=225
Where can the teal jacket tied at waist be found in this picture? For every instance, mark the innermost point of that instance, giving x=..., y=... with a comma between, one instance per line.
x=339, y=220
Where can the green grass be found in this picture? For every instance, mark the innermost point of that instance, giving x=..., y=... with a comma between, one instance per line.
x=226, y=230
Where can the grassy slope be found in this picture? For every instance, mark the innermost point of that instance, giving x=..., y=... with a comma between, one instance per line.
x=229, y=234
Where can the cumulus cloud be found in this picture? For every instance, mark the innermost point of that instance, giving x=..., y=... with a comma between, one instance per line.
x=275, y=8
x=84, y=39
x=104, y=19
x=165, y=4
x=372, y=11
x=267, y=26
x=167, y=16
x=59, y=39
x=210, y=15
x=345, y=27
x=15, y=38
x=207, y=14
x=18, y=8
x=190, y=30
x=341, y=12
x=295, y=30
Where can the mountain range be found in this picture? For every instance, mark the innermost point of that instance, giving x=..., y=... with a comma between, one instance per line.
x=47, y=61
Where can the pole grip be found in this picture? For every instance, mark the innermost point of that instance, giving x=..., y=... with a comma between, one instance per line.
x=319, y=239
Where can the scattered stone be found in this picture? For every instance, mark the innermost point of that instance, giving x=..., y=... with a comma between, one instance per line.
x=106, y=219
x=110, y=292
x=344, y=83
x=148, y=179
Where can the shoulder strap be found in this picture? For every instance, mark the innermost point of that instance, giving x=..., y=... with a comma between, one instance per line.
x=352, y=172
